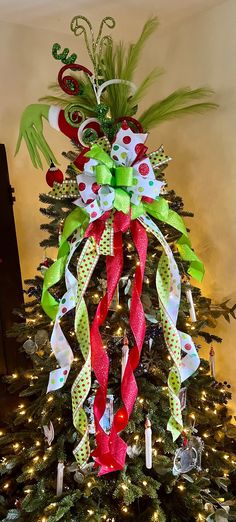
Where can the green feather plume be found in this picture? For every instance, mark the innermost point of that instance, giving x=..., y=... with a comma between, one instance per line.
x=120, y=61
x=176, y=104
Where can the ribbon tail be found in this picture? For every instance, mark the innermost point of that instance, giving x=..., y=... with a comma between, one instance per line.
x=100, y=359
x=82, y=384
x=168, y=288
x=129, y=387
x=59, y=343
x=76, y=220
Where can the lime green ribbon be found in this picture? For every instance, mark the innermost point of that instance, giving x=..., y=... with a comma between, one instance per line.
x=160, y=210
x=108, y=173
x=78, y=218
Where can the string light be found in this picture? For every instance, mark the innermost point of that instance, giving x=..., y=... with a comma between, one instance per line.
x=6, y=485
x=90, y=511
x=124, y=487
x=30, y=419
x=144, y=482
x=1, y=433
x=50, y=399
x=30, y=470
x=141, y=401
x=125, y=509
x=181, y=487
x=226, y=457
x=89, y=484
x=16, y=445
x=22, y=412
x=155, y=515
x=14, y=375
x=37, y=443
x=136, y=437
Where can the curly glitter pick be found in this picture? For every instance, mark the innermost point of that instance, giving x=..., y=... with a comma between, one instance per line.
x=93, y=44
x=63, y=56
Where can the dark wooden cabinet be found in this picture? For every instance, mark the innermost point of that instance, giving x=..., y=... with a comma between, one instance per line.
x=11, y=295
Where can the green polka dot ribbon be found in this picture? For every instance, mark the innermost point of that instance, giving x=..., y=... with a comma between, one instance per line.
x=81, y=386
x=168, y=286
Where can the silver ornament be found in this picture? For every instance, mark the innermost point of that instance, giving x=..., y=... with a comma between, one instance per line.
x=79, y=477
x=133, y=451
x=29, y=346
x=41, y=338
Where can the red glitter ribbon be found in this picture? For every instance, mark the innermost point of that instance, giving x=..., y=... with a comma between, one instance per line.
x=111, y=449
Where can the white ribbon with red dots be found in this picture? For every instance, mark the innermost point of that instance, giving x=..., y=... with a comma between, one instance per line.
x=168, y=285
x=59, y=343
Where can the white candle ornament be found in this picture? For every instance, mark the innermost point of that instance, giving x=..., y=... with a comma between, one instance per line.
x=125, y=355
x=60, y=476
x=148, y=443
x=189, y=297
x=212, y=362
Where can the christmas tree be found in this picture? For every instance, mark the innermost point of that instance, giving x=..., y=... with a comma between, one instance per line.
x=134, y=443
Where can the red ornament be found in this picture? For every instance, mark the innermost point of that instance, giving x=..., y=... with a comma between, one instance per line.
x=54, y=174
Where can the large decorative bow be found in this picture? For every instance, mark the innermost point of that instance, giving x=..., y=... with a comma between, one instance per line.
x=117, y=181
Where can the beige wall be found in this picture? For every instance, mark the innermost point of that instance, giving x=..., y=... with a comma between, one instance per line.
x=198, y=51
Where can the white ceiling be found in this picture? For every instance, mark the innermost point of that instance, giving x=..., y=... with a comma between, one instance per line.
x=55, y=15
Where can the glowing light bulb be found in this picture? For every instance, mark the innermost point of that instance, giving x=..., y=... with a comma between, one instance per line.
x=124, y=487
x=90, y=511
x=89, y=484
x=125, y=509
x=144, y=482
x=6, y=485
x=181, y=487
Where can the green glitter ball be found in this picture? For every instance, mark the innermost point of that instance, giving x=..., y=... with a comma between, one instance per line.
x=102, y=110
